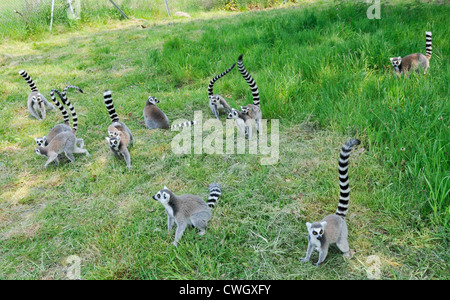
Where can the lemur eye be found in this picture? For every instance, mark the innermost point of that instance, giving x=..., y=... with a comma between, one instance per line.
x=158, y=196
x=315, y=233
x=321, y=231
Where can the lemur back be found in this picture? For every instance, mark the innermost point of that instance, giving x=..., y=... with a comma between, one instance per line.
x=187, y=209
x=62, y=142
x=333, y=228
x=154, y=117
x=243, y=122
x=414, y=61
x=66, y=126
x=119, y=135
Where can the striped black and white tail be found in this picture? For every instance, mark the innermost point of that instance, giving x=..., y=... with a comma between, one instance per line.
x=214, y=193
x=344, y=196
x=429, y=48
x=184, y=124
x=60, y=106
x=28, y=80
x=71, y=87
x=66, y=101
x=251, y=82
x=107, y=95
x=211, y=83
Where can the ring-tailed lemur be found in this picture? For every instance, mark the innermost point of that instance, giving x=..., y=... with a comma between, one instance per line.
x=62, y=142
x=217, y=102
x=154, y=117
x=333, y=228
x=251, y=82
x=187, y=209
x=120, y=136
x=243, y=122
x=254, y=112
x=66, y=126
x=414, y=61
x=36, y=102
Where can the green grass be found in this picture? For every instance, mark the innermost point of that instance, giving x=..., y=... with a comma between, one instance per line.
x=322, y=69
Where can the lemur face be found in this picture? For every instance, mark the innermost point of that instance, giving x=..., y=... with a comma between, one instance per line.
x=233, y=114
x=37, y=151
x=316, y=230
x=40, y=141
x=245, y=109
x=396, y=61
x=114, y=142
x=152, y=100
x=113, y=134
x=162, y=196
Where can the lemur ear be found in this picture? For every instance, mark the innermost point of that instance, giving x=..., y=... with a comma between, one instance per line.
x=165, y=187
x=107, y=138
x=308, y=225
x=323, y=224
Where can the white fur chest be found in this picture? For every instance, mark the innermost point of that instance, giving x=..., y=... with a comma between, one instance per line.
x=315, y=242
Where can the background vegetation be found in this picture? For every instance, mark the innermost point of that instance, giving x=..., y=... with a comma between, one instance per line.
x=323, y=70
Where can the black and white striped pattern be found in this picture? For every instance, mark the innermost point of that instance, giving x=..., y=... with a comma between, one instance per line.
x=59, y=106
x=249, y=79
x=211, y=83
x=66, y=101
x=429, y=49
x=344, y=196
x=71, y=87
x=184, y=124
x=214, y=193
x=28, y=80
x=107, y=95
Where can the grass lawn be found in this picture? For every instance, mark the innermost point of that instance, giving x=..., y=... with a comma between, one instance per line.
x=323, y=71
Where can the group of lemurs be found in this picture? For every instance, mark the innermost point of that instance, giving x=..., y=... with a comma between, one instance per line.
x=192, y=209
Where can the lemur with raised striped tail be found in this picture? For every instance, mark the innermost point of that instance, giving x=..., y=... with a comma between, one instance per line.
x=44, y=141
x=119, y=135
x=36, y=102
x=416, y=61
x=333, y=228
x=216, y=102
x=187, y=209
x=154, y=117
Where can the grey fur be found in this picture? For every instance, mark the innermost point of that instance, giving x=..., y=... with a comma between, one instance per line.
x=119, y=135
x=415, y=61
x=333, y=228
x=44, y=141
x=217, y=103
x=254, y=112
x=243, y=122
x=185, y=210
x=64, y=142
x=153, y=116
x=37, y=104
